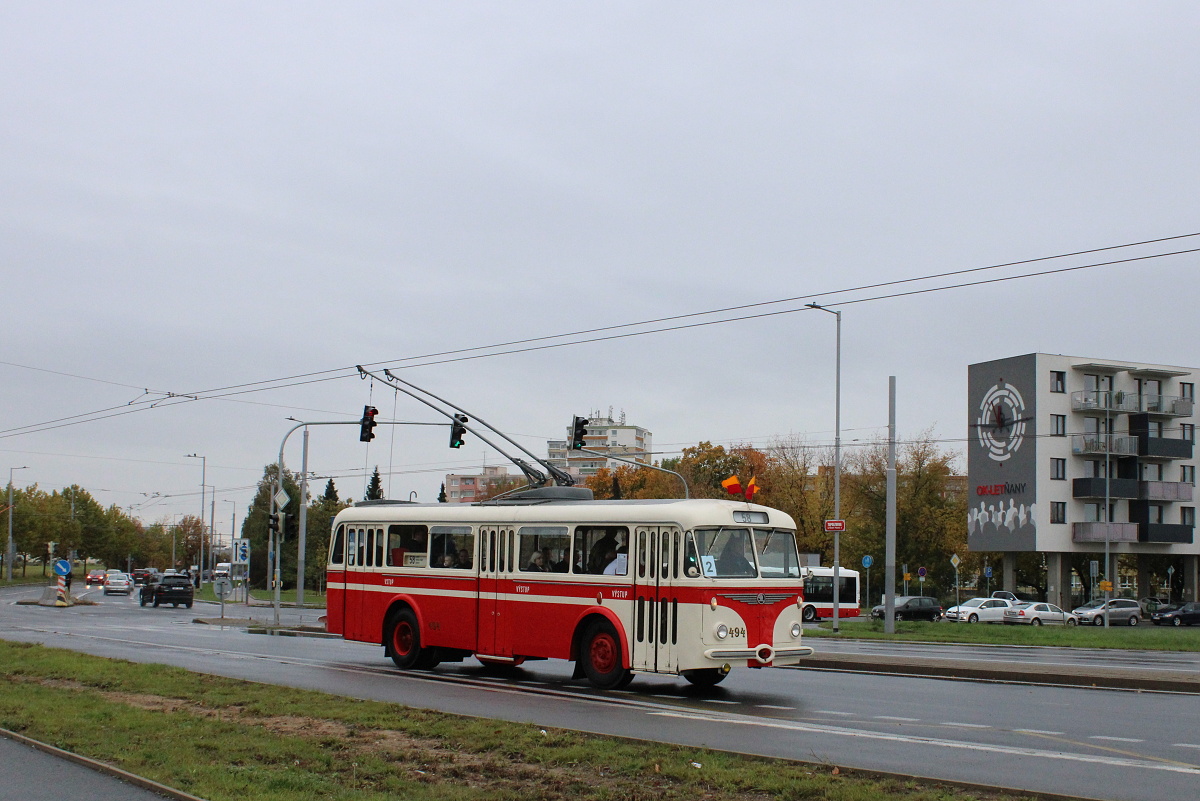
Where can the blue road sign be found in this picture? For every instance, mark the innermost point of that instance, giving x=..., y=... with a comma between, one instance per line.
x=868, y=561
x=922, y=572
x=62, y=567
x=987, y=572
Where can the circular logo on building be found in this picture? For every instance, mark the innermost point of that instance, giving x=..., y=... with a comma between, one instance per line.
x=1000, y=425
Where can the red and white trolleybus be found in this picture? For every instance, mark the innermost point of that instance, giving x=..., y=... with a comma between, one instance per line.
x=683, y=587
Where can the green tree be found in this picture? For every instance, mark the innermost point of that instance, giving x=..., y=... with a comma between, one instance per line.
x=331, y=494
x=254, y=527
x=374, y=487
x=442, y=493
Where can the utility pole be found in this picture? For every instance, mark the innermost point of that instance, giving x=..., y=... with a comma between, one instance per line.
x=10, y=552
x=889, y=560
x=203, y=481
x=303, y=532
x=837, y=465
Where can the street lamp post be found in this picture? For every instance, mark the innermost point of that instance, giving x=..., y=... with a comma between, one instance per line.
x=837, y=463
x=203, y=481
x=10, y=553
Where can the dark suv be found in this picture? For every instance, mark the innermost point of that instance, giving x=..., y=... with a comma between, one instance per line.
x=913, y=607
x=174, y=589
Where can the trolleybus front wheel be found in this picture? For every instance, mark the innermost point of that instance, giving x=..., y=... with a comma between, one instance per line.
x=600, y=655
x=706, y=677
x=404, y=642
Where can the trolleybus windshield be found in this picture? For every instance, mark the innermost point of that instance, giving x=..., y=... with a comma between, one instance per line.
x=725, y=552
x=777, y=556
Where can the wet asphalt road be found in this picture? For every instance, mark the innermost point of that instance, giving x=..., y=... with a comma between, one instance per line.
x=1085, y=742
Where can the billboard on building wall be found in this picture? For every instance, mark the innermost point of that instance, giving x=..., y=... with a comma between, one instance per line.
x=1002, y=455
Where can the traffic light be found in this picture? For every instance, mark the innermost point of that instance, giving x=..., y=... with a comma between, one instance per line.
x=578, y=431
x=368, y=423
x=457, y=430
x=273, y=523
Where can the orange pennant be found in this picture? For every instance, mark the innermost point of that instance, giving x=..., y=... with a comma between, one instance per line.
x=751, y=487
x=732, y=485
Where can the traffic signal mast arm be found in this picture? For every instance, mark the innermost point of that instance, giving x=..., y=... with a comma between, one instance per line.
x=535, y=477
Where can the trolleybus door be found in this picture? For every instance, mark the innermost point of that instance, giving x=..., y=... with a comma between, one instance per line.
x=656, y=609
x=356, y=552
x=495, y=554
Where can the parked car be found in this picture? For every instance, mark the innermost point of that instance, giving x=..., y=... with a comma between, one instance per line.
x=95, y=577
x=912, y=607
x=979, y=610
x=1185, y=615
x=1038, y=613
x=118, y=583
x=1120, y=610
x=1152, y=604
x=174, y=589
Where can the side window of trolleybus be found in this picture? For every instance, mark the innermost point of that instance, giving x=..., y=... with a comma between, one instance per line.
x=726, y=552
x=351, y=539
x=601, y=550
x=544, y=549
x=337, y=548
x=777, y=557
x=407, y=546
x=451, y=546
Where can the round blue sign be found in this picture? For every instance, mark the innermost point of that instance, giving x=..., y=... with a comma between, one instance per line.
x=62, y=567
x=922, y=572
x=868, y=561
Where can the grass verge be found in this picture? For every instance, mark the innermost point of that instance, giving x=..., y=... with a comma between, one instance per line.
x=1142, y=637
x=223, y=739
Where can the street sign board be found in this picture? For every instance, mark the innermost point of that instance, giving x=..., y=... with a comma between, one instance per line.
x=987, y=572
x=868, y=561
x=954, y=560
x=241, y=552
x=281, y=499
x=62, y=567
x=922, y=572
x=1094, y=568
x=835, y=525
x=223, y=587
x=908, y=576
x=1106, y=586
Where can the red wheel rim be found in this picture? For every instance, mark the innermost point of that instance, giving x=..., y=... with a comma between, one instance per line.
x=603, y=653
x=402, y=638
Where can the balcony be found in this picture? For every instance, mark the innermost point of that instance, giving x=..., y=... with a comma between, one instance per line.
x=1095, y=532
x=1164, y=491
x=1099, y=444
x=1097, y=400
x=1168, y=405
x=1095, y=488
x=1162, y=448
x=1166, y=533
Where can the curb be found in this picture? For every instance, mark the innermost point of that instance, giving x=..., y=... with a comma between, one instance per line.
x=1108, y=679
x=102, y=767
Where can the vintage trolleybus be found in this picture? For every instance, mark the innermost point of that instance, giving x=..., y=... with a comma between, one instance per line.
x=683, y=587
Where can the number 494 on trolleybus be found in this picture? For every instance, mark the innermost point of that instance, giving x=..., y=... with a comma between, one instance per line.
x=682, y=587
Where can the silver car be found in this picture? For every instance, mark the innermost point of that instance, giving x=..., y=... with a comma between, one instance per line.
x=118, y=583
x=979, y=610
x=1038, y=613
x=1120, y=611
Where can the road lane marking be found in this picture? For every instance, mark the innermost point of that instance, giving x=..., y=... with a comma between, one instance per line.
x=907, y=739
x=893, y=717
x=774, y=706
x=832, y=712
x=1116, y=739
x=717, y=701
x=1038, y=731
x=1184, y=745
x=964, y=725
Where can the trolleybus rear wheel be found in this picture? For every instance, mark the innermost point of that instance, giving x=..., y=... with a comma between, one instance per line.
x=404, y=642
x=705, y=677
x=600, y=654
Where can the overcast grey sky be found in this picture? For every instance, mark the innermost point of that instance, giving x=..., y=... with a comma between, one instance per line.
x=194, y=196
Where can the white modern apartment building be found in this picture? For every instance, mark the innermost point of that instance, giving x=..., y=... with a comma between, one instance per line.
x=607, y=436
x=1067, y=455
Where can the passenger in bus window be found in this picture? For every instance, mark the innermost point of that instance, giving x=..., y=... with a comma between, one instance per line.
x=449, y=560
x=602, y=552
x=537, y=563
x=464, y=558
x=619, y=566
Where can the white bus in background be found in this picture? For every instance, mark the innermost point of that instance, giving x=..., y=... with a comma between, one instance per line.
x=222, y=570
x=818, y=593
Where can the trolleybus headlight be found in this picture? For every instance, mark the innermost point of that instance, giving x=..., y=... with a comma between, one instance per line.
x=795, y=630
x=722, y=631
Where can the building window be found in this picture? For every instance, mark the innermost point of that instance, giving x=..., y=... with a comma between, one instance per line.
x=1155, y=429
x=1058, y=425
x=1187, y=390
x=1058, y=381
x=1058, y=469
x=1188, y=431
x=1058, y=511
x=1187, y=474
x=1152, y=471
x=1156, y=513
x=1187, y=515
